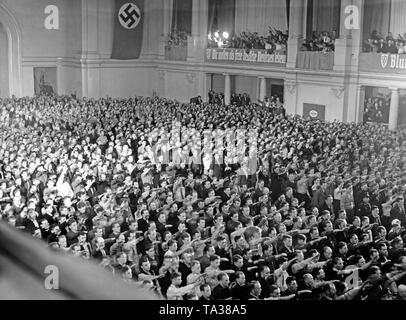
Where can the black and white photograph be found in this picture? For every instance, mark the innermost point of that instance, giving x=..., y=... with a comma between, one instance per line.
x=222, y=151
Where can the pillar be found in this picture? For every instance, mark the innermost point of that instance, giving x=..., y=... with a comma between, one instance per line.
x=227, y=89
x=193, y=40
x=359, y=117
x=394, y=109
x=304, y=28
x=262, y=88
x=348, y=45
x=197, y=42
x=295, y=31
x=89, y=55
x=195, y=18
x=167, y=8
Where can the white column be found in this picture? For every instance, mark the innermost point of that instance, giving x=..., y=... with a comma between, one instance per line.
x=167, y=8
x=262, y=88
x=347, y=46
x=295, y=31
x=193, y=40
x=197, y=42
x=227, y=89
x=195, y=18
x=89, y=55
x=359, y=116
x=394, y=109
x=304, y=28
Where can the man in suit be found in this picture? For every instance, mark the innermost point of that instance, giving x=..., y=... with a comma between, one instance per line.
x=239, y=288
x=30, y=222
x=328, y=205
x=382, y=47
x=392, y=47
x=365, y=208
x=211, y=96
x=398, y=211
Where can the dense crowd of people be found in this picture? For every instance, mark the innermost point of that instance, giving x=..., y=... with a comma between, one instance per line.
x=376, y=109
x=389, y=44
x=208, y=202
x=274, y=104
x=320, y=41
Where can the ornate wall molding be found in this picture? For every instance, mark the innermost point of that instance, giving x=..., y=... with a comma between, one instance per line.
x=291, y=86
x=14, y=35
x=161, y=74
x=338, y=92
x=191, y=77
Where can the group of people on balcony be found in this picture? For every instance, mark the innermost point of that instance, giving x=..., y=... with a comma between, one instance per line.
x=376, y=109
x=389, y=44
x=275, y=41
x=236, y=99
x=320, y=41
x=176, y=38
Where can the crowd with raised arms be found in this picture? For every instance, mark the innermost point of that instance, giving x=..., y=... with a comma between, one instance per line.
x=389, y=44
x=209, y=202
x=274, y=41
x=320, y=41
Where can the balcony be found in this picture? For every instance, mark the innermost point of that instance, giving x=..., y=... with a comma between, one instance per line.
x=176, y=53
x=244, y=56
x=315, y=60
x=382, y=63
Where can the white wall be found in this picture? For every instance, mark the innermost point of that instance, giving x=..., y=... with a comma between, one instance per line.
x=218, y=83
x=249, y=85
x=69, y=80
x=181, y=85
x=40, y=42
x=105, y=27
x=125, y=81
x=323, y=95
x=4, y=85
x=28, y=83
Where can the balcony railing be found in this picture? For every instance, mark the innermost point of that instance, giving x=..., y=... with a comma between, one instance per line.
x=243, y=56
x=176, y=53
x=382, y=63
x=313, y=60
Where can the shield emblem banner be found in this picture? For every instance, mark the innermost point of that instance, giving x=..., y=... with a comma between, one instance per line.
x=384, y=60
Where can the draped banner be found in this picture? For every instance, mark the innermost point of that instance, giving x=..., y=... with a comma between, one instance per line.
x=376, y=17
x=222, y=15
x=128, y=29
x=259, y=15
x=397, y=18
x=182, y=15
x=326, y=15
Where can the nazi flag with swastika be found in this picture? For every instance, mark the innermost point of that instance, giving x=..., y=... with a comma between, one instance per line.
x=128, y=29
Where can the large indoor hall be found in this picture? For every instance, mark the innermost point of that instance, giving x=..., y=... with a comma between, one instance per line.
x=213, y=150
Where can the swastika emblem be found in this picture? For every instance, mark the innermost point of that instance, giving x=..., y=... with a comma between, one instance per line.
x=129, y=15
